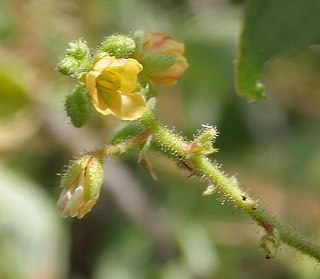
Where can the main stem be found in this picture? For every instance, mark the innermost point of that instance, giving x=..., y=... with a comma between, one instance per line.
x=174, y=146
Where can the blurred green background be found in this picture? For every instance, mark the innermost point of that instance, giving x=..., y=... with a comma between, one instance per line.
x=142, y=228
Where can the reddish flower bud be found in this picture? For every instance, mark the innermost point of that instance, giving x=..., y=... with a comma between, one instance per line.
x=165, y=56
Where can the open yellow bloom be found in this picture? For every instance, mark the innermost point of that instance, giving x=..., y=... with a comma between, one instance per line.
x=112, y=86
x=81, y=186
x=160, y=43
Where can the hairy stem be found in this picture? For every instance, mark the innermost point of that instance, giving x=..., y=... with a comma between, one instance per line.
x=124, y=146
x=174, y=146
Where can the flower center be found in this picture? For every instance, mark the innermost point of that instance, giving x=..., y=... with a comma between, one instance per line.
x=108, y=81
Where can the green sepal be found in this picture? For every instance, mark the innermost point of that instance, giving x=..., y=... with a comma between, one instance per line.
x=89, y=164
x=72, y=173
x=81, y=185
x=157, y=63
x=93, y=177
x=78, y=106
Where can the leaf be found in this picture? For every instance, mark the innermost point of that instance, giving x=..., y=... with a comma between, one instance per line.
x=271, y=27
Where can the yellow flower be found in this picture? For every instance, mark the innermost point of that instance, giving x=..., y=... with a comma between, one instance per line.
x=113, y=87
x=161, y=44
x=81, y=186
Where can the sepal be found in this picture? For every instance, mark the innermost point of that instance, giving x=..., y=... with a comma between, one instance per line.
x=78, y=106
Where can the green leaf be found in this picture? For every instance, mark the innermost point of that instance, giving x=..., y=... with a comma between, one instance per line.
x=271, y=27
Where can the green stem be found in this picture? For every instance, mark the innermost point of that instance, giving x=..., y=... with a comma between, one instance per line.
x=174, y=146
x=124, y=146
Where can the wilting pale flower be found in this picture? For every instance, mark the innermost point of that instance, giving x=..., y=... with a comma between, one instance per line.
x=81, y=186
x=113, y=87
x=159, y=46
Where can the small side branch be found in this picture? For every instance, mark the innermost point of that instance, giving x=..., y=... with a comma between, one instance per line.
x=173, y=146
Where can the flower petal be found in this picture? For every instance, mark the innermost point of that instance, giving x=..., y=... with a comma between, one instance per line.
x=128, y=70
x=112, y=85
x=132, y=106
x=160, y=43
x=97, y=99
x=108, y=80
x=103, y=62
x=111, y=101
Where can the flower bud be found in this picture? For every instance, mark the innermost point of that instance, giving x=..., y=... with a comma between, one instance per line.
x=81, y=186
x=78, y=106
x=77, y=60
x=119, y=46
x=162, y=58
x=78, y=49
x=68, y=66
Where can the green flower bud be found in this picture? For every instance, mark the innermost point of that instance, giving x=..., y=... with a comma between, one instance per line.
x=69, y=66
x=78, y=106
x=120, y=46
x=78, y=49
x=85, y=65
x=81, y=185
x=77, y=61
